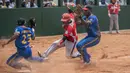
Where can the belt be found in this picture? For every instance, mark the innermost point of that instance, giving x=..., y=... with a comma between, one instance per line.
x=113, y=13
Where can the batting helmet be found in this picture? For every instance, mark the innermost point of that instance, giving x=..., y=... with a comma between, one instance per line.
x=65, y=17
x=21, y=21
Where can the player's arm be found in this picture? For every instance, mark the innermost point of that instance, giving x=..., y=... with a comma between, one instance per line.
x=108, y=10
x=33, y=34
x=63, y=39
x=119, y=7
x=86, y=22
x=66, y=34
x=15, y=36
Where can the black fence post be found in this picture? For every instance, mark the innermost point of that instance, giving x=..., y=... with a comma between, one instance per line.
x=128, y=2
x=60, y=3
x=40, y=3
x=96, y=2
x=18, y=3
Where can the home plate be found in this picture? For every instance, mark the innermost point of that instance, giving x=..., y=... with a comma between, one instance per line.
x=24, y=71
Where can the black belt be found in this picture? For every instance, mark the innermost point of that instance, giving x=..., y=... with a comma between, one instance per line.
x=113, y=13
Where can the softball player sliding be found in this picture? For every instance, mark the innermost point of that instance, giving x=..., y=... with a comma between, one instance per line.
x=22, y=37
x=68, y=40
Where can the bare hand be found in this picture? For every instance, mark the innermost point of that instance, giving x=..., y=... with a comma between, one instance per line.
x=109, y=15
x=58, y=45
x=3, y=45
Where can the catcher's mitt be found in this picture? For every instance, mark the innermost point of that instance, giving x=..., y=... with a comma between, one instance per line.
x=78, y=10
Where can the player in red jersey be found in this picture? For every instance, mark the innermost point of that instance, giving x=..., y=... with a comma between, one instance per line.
x=68, y=40
x=113, y=11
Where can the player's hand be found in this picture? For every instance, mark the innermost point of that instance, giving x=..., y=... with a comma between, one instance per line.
x=3, y=45
x=119, y=9
x=109, y=15
x=31, y=46
x=89, y=22
x=58, y=45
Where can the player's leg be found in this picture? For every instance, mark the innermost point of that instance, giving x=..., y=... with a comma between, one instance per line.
x=27, y=54
x=13, y=61
x=85, y=43
x=111, y=23
x=70, y=46
x=116, y=23
x=51, y=49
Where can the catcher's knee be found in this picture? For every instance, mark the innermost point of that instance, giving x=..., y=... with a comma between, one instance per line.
x=78, y=46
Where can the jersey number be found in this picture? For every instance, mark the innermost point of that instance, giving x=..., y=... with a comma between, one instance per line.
x=26, y=38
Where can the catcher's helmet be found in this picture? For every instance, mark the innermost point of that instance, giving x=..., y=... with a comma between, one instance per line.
x=32, y=22
x=21, y=21
x=65, y=17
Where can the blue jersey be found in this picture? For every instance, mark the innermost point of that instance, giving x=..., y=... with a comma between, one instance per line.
x=93, y=28
x=25, y=35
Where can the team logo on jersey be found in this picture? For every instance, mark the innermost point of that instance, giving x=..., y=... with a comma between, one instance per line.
x=16, y=31
x=91, y=20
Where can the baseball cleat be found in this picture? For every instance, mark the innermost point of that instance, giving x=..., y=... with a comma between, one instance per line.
x=78, y=56
x=43, y=56
x=87, y=63
x=39, y=54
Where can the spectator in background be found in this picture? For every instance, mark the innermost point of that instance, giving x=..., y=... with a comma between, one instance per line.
x=1, y=4
x=90, y=3
x=70, y=2
x=118, y=2
x=48, y=3
x=23, y=3
x=7, y=2
x=86, y=2
x=31, y=4
x=12, y=4
x=103, y=3
x=113, y=10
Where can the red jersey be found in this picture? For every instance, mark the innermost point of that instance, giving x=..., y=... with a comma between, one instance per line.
x=70, y=32
x=72, y=18
x=113, y=8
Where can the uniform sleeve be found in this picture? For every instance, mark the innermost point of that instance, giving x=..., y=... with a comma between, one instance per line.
x=17, y=30
x=92, y=19
x=108, y=7
x=32, y=33
x=118, y=7
x=84, y=17
x=68, y=32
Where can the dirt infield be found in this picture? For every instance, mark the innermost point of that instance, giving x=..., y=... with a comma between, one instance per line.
x=112, y=55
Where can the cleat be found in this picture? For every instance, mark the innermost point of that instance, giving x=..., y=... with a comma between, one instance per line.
x=87, y=63
x=42, y=56
x=39, y=54
x=78, y=56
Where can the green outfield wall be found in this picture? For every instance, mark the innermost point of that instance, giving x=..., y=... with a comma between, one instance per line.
x=48, y=19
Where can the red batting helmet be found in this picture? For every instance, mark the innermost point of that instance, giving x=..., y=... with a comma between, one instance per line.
x=65, y=17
